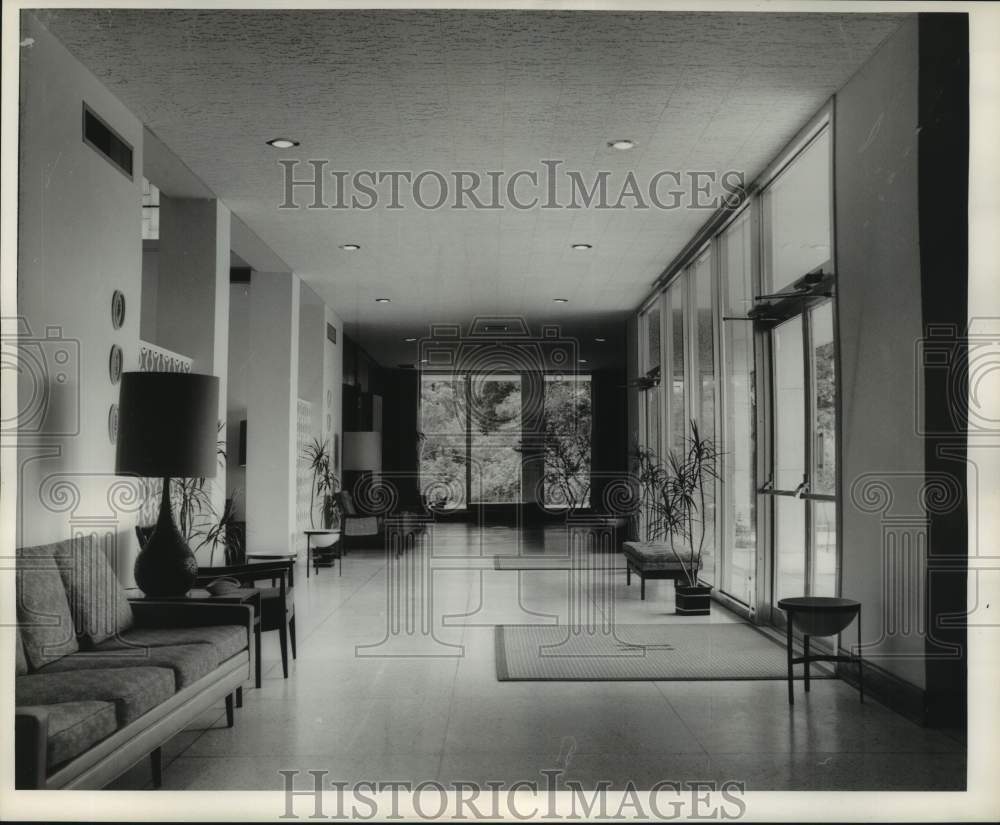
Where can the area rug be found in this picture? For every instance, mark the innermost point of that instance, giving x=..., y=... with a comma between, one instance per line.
x=611, y=561
x=640, y=652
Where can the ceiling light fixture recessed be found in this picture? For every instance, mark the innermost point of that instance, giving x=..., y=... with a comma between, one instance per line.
x=582, y=247
x=283, y=143
x=383, y=300
x=622, y=145
x=561, y=300
x=423, y=360
x=583, y=361
x=350, y=247
x=409, y=340
x=600, y=340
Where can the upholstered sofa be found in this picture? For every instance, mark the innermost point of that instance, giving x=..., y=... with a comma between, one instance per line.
x=103, y=681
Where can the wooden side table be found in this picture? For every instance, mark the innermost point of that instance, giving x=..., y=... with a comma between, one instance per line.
x=265, y=557
x=334, y=549
x=820, y=616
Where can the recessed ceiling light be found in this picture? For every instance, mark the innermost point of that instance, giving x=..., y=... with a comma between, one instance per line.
x=583, y=360
x=561, y=300
x=409, y=340
x=600, y=340
x=350, y=247
x=582, y=246
x=423, y=360
x=621, y=145
x=383, y=300
x=282, y=143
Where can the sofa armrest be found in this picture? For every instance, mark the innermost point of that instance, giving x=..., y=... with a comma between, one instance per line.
x=31, y=737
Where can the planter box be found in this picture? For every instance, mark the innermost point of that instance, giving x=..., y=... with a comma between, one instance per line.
x=693, y=601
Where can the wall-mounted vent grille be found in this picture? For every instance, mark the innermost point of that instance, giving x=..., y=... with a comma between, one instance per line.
x=331, y=333
x=106, y=141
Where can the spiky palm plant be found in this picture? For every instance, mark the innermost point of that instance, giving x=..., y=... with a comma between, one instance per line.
x=674, y=498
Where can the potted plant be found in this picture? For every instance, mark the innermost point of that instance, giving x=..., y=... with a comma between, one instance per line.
x=674, y=499
x=325, y=484
x=221, y=533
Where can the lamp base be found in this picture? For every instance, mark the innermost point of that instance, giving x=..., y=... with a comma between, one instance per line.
x=165, y=567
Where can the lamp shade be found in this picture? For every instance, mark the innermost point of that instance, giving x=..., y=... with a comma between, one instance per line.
x=167, y=425
x=363, y=451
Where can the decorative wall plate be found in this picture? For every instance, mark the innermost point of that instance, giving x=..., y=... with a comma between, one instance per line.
x=117, y=309
x=115, y=364
x=113, y=424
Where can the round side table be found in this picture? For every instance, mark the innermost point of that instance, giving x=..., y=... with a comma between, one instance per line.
x=820, y=616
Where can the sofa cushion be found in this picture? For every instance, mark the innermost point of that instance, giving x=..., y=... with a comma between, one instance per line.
x=227, y=640
x=75, y=727
x=22, y=663
x=43, y=613
x=97, y=600
x=134, y=690
x=188, y=662
x=361, y=526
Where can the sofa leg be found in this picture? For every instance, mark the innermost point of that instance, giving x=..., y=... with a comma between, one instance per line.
x=642, y=587
x=291, y=635
x=283, y=640
x=239, y=697
x=628, y=574
x=156, y=767
x=229, y=710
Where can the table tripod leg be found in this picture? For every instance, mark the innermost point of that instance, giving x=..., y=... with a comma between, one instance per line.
x=861, y=669
x=805, y=655
x=791, y=695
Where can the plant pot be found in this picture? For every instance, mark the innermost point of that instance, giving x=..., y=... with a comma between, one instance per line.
x=692, y=601
x=328, y=513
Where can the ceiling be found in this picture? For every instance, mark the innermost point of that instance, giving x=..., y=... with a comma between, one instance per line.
x=469, y=90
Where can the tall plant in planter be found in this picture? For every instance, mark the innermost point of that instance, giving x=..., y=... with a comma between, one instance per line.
x=325, y=483
x=221, y=533
x=674, y=502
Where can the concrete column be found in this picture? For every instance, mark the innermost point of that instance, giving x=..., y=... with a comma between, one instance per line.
x=192, y=301
x=272, y=400
x=333, y=378
x=311, y=392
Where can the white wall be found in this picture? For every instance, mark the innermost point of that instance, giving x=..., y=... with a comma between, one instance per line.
x=150, y=285
x=80, y=238
x=236, y=397
x=880, y=320
x=192, y=302
x=272, y=400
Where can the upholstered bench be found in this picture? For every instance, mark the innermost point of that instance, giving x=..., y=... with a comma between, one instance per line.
x=653, y=560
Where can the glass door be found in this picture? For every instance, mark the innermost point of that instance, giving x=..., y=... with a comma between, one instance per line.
x=494, y=439
x=801, y=491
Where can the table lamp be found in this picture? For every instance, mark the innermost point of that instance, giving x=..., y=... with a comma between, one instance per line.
x=167, y=429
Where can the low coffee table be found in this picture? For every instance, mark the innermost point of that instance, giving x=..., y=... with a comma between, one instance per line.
x=820, y=616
